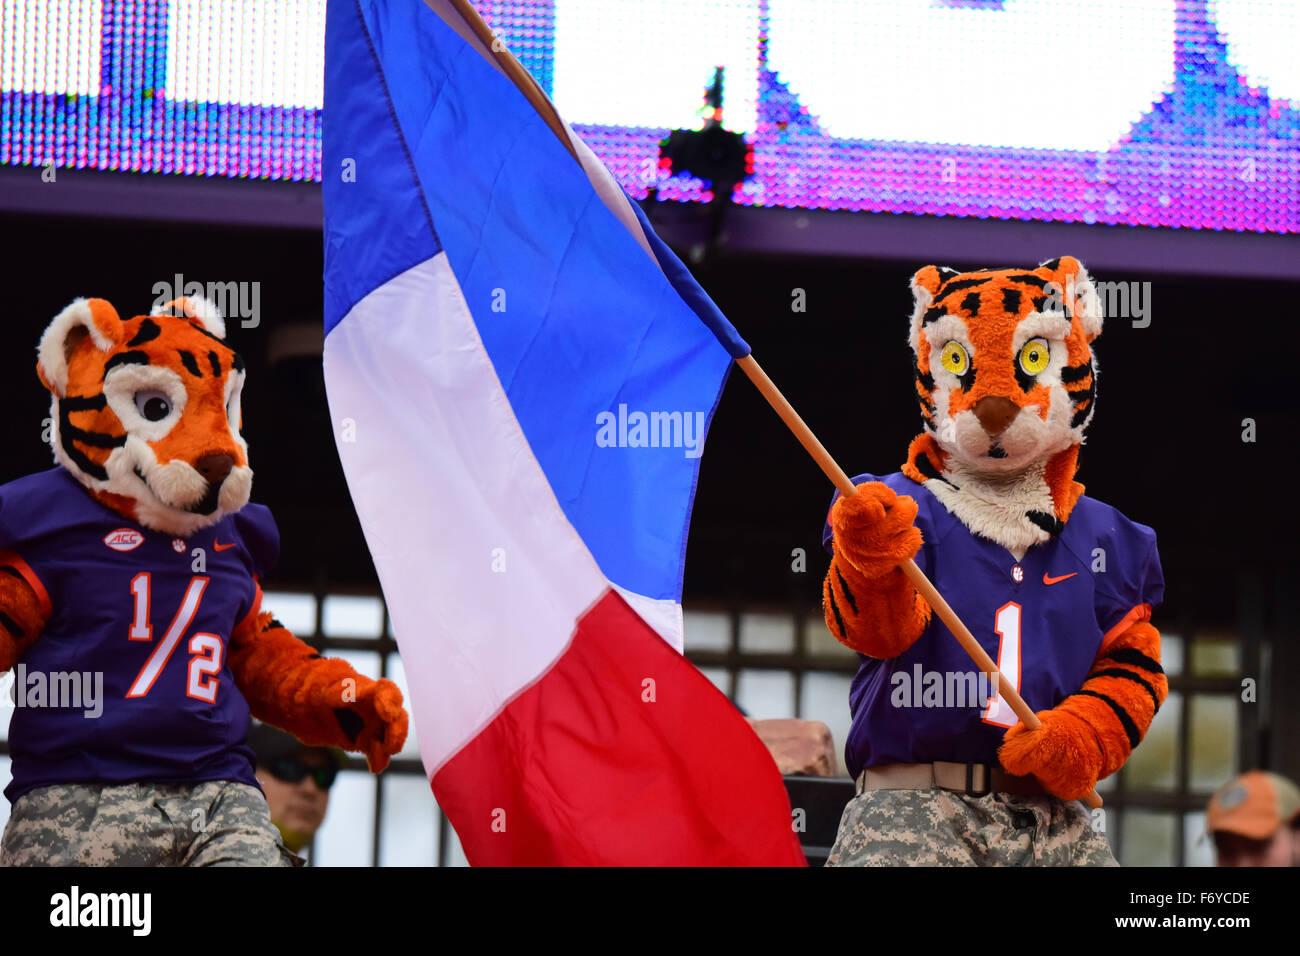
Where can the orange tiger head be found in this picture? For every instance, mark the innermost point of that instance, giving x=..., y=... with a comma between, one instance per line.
x=146, y=411
x=1004, y=365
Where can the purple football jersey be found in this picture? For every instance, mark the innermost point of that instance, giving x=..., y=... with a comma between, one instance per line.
x=1041, y=619
x=146, y=617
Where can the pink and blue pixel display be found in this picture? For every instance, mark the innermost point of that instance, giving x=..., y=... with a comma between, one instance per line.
x=233, y=88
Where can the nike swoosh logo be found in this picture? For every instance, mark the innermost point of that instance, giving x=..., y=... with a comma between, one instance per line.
x=223, y=547
x=1050, y=580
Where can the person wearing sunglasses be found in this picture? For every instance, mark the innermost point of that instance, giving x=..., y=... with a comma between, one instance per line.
x=296, y=780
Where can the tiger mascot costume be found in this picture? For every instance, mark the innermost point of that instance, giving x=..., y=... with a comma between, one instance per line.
x=1057, y=587
x=131, y=611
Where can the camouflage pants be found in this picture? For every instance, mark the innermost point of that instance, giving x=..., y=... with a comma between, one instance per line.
x=216, y=823
x=942, y=828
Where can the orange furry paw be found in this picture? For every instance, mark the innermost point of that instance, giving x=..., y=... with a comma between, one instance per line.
x=1063, y=753
x=875, y=530
x=375, y=722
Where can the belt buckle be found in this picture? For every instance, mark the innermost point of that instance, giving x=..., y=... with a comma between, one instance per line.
x=970, y=780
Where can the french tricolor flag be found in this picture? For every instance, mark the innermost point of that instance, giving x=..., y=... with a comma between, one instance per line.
x=520, y=374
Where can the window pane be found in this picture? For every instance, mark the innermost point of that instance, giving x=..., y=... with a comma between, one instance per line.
x=826, y=698
x=409, y=835
x=1148, y=838
x=1216, y=657
x=397, y=674
x=718, y=675
x=455, y=852
x=766, y=633
x=1198, y=849
x=821, y=642
x=707, y=630
x=363, y=662
x=348, y=616
x=295, y=611
x=766, y=694
x=1214, y=741
x=1153, y=765
x=347, y=835
x=1171, y=653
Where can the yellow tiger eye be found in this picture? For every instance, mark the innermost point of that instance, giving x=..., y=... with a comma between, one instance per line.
x=953, y=357
x=1034, y=356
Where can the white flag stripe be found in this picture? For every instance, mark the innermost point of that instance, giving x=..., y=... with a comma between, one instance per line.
x=484, y=575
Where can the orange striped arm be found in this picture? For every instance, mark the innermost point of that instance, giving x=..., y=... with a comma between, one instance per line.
x=1124, y=689
x=1091, y=733
x=879, y=617
x=24, y=609
x=320, y=700
x=869, y=603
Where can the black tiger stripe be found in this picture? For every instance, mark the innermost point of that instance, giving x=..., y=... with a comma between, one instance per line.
x=1076, y=373
x=835, y=609
x=237, y=362
x=271, y=625
x=215, y=363
x=1135, y=658
x=925, y=378
x=314, y=656
x=1130, y=728
x=191, y=366
x=844, y=586
x=926, y=467
x=1023, y=378
x=10, y=625
x=125, y=358
x=933, y=313
x=1051, y=264
x=1011, y=300
x=149, y=330
x=1129, y=675
x=1084, y=402
x=211, y=335
x=1027, y=279
x=69, y=433
x=971, y=303
x=94, y=439
x=1049, y=523
x=956, y=285
x=83, y=403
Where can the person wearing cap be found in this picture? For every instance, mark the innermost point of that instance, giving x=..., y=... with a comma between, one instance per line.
x=296, y=780
x=1255, y=821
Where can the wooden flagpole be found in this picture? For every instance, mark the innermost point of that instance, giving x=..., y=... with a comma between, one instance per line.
x=528, y=86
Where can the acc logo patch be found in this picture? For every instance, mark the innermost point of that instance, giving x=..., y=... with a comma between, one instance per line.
x=124, y=539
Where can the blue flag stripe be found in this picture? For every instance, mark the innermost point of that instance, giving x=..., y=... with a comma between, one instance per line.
x=601, y=356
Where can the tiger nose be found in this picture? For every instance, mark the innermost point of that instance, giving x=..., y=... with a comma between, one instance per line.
x=995, y=413
x=214, y=468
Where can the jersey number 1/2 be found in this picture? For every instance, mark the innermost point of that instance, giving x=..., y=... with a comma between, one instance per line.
x=205, y=649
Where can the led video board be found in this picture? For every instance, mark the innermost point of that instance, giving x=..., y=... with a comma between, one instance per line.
x=1182, y=113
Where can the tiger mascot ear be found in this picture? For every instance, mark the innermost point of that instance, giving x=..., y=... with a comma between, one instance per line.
x=1074, y=287
x=198, y=310
x=85, y=320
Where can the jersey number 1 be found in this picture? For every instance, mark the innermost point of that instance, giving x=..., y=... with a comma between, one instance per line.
x=1006, y=621
x=205, y=649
